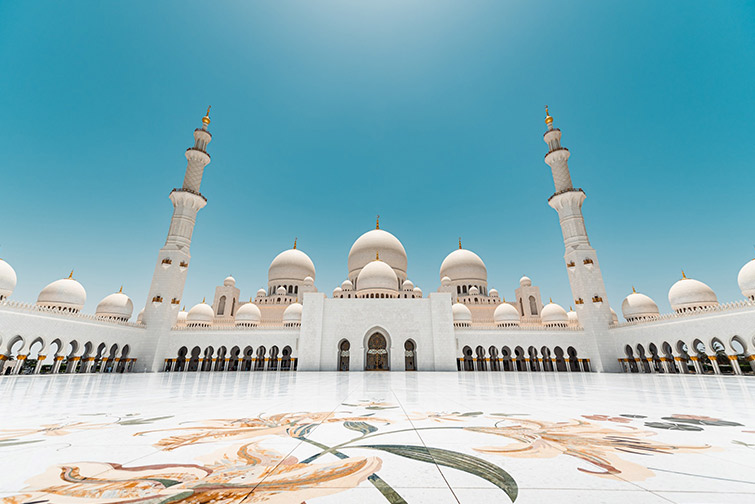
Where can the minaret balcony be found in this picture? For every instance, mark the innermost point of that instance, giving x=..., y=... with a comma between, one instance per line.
x=571, y=189
x=185, y=190
x=198, y=154
x=563, y=151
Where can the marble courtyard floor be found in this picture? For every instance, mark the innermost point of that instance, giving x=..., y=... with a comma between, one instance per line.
x=377, y=438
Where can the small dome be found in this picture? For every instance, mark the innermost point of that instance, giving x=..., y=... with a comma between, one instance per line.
x=461, y=313
x=180, y=319
x=117, y=306
x=505, y=314
x=337, y=292
x=347, y=285
x=65, y=293
x=248, y=313
x=309, y=281
x=8, y=279
x=745, y=279
x=525, y=281
x=614, y=316
x=281, y=291
x=691, y=294
x=474, y=291
x=200, y=314
x=140, y=316
x=638, y=306
x=407, y=285
x=292, y=315
x=493, y=293
x=291, y=265
x=463, y=264
x=377, y=275
x=573, y=317
x=445, y=281
x=378, y=241
x=553, y=314
x=417, y=291
x=261, y=293
x=229, y=281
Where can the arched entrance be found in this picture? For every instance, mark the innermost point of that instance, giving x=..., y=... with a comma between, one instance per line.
x=377, y=353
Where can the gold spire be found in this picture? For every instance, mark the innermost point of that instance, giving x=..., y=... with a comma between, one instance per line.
x=377, y=255
x=295, y=242
x=120, y=291
x=550, y=300
x=206, y=118
x=203, y=300
x=377, y=222
x=548, y=118
x=184, y=308
x=683, y=275
x=459, y=242
x=633, y=291
x=70, y=275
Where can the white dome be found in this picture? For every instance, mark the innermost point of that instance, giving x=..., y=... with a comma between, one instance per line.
x=463, y=264
x=745, y=279
x=493, y=293
x=281, y=291
x=377, y=275
x=614, y=316
x=474, y=291
x=363, y=252
x=573, y=317
x=461, y=313
x=290, y=265
x=407, y=285
x=180, y=319
x=691, y=294
x=337, y=292
x=116, y=305
x=347, y=285
x=140, y=316
x=417, y=291
x=248, y=313
x=63, y=293
x=261, y=293
x=525, y=281
x=445, y=281
x=293, y=313
x=553, y=314
x=200, y=314
x=8, y=279
x=505, y=313
x=638, y=306
x=229, y=281
x=309, y=281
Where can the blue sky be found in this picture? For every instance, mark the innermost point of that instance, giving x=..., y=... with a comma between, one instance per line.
x=326, y=113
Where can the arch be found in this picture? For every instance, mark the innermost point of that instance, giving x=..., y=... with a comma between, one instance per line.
x=668, y=352
x=547, y=362
x=207, y=358
x=702, y=357
x=481, y=359
x=657, y=365
x=629, y=352
x=643, y=359
x=181, y=359
x=273, y=362
x=724, y=364
x=495, y=364
x=410, y=355
x=686, y=362
x=286, y=359
x=533, y=305
x=259, y=364
x=573, y=359
x=246, y=364
x=193, y=364
x=560, y=360
x=467, y=358
x=739, y=349
x=506, y=356
x=220, y=362
x=378, y=356
x=343, y=355
x=534, y=364
x=521, y=365
x=233, y=356
x=221, y=306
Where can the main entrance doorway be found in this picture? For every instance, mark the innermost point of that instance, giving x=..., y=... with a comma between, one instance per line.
x=377, y=354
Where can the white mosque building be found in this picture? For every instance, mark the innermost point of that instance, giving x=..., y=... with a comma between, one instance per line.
x=377, y=319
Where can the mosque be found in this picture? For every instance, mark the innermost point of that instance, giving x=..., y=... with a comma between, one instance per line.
x=377, y=319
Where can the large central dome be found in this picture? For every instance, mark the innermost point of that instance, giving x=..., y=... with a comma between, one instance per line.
x=379, y=242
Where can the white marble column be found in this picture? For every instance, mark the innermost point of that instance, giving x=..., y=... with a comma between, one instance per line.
x=735, y=364
x=714, y=363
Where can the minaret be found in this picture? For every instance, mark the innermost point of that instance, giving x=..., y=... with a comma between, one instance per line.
x=581, y=259
x=173, y=259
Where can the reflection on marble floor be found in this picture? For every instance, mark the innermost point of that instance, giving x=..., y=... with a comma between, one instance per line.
x=376, y=437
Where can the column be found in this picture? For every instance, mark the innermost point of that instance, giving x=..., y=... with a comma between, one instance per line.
x=39, y=365
x=696, y=363
x=714, y=362
x=58, y=362
x=735, y=364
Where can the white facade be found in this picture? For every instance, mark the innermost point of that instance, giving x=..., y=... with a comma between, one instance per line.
x=377, y=319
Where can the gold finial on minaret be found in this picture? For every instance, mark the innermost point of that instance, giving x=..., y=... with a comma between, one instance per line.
x=184, y=308
x=70, y=275
x=459, y=242
x=295, y=242
x=548, y=118
x=206, y=118
x=683, y=275
x=203, y=300
x=550, y=300
x=633, y=291
x=120, y=291
x=377, y=222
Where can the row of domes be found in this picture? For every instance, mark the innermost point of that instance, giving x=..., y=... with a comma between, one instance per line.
x=248, y=314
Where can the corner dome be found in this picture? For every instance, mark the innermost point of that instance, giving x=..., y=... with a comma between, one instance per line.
x=337, y=292
x=389, y=248
x=200, y=315
x=637, y=306
x=377, y=275
x=63, y=294
x=229, y=281
x=493, y=293
x=506, y=315
x=690, y=294
x=291, y=265
x=407, y=285
x=614, y=316
x=554, y=315
x=445, y=281
x=140, y=316
x=261, y=293
x=248, y=314
x=573, y=317
x=347, y=285
x=8, y=279
x=461, y=314
x=463, y=264
x=115, y=306
x=745, y=279
x=525, y=281
x=292, y=315
x=180, y=319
